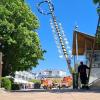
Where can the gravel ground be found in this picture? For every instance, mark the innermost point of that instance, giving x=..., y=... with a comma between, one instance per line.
x=65, y=94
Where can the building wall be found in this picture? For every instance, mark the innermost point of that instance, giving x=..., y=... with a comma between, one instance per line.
x=51, y=73
x=23, y=76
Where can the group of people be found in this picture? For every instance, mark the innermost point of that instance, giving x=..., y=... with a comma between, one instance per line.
x=82, y=74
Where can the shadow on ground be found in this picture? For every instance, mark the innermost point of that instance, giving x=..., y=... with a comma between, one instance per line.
x=60, y=90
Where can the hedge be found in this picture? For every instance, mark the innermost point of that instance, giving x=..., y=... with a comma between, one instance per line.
x=6, y=83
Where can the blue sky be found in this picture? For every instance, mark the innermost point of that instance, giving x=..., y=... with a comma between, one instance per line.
x=68, y=12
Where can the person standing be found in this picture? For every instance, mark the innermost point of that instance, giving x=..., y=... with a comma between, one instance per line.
x=82, y=73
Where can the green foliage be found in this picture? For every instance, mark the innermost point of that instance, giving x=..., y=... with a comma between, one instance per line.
x=96, y=1
x=18, y=36
x=35, y=81
x=6, y=83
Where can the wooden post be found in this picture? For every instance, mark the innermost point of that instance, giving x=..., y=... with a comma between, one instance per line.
x=0, y=67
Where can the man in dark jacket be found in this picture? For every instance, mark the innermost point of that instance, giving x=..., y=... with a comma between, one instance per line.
x=83, y=74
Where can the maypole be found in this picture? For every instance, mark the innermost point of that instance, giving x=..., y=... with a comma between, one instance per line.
x=58, y=32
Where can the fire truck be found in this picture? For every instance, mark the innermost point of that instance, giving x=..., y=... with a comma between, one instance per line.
x=47, y=84
x=64, y=83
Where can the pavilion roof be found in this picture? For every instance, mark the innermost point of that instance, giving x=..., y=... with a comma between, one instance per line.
x=84, y=42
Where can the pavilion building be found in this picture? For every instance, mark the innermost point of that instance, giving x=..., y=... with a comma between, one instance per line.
x=83, y=45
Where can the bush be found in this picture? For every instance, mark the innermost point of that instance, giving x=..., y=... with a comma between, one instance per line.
x=35, y=81
x=6, y=83
x=15, y=86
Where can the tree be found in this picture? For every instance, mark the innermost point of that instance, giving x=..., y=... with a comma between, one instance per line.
x=19, y=41
x=96, y=1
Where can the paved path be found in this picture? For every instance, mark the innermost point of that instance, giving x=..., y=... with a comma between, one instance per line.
x=52, y=95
